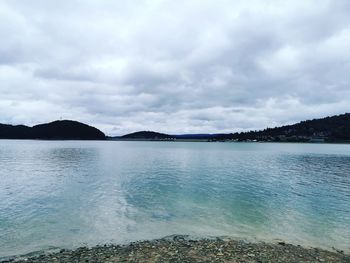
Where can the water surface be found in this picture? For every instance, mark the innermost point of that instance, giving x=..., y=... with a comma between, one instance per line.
x=65, y=194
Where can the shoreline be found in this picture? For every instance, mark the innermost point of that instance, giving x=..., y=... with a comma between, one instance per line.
x=179, y=248
x=177, y=140
x=228, y=141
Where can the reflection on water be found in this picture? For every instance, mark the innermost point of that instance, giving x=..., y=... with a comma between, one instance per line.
x=68, y=194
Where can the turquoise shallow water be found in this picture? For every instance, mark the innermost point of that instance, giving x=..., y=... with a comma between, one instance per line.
x=71, y=193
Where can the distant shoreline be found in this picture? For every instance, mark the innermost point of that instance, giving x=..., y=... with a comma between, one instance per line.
x=184, y=249
x=205, y=140
x=177, y=140
x=326, y=130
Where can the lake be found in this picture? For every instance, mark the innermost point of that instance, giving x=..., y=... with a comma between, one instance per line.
x=65, y=194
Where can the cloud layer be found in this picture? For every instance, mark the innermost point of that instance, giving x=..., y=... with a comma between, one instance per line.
x=174, y=66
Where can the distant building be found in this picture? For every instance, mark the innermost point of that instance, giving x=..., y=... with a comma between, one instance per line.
x=317, y=140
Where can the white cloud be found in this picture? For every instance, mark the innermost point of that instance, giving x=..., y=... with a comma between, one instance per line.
x=173, y=66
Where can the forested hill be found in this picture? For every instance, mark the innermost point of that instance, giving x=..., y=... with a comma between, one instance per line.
x=331, y=129
x=57, y=130
x=147, y=135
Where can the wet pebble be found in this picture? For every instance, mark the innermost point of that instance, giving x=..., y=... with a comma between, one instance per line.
x=182, y=249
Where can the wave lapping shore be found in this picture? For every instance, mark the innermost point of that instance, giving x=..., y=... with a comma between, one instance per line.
x=181, y=249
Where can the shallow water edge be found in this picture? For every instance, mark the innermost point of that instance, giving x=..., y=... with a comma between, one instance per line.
x=181, y=248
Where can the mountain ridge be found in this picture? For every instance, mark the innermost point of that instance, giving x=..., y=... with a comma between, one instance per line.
x=149, y=135
x=55, y=130
x=328, y=129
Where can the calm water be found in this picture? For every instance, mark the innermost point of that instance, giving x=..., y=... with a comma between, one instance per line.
x=72, y=193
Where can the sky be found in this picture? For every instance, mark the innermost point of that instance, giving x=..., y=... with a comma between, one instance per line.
x=192, y=66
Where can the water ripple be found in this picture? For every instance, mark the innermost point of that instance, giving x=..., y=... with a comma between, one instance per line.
x=67, y=194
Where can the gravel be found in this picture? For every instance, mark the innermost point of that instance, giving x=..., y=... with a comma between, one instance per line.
x=182, y=249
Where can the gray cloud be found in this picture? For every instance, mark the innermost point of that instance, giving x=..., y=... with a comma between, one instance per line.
x=176, y=67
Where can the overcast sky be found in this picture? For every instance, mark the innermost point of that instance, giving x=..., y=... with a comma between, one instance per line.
x=174, y=66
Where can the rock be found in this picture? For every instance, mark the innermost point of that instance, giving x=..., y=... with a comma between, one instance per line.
x=205, y=250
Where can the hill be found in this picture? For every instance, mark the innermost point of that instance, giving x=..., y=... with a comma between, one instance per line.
x=329, y=129
x=200, y=136
x=56, y=130
x=148, y=135
x=14, y=131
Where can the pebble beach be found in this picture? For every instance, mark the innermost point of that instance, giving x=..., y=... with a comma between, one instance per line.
x=182, y=249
